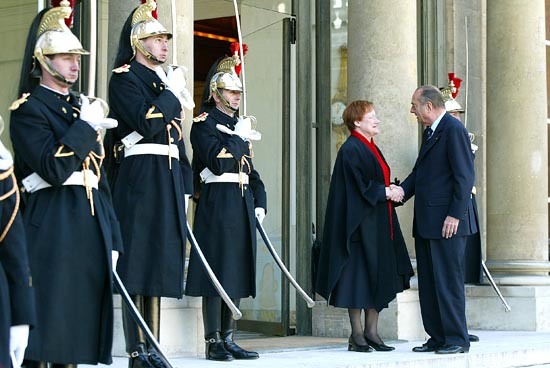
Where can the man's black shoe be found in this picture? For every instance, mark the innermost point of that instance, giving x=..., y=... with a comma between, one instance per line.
x=425, y=348
x=452, y=349
x=473, y=338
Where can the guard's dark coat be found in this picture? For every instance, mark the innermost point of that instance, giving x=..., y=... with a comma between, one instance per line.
x=69, y=249
x=357, y=203
x=225, y=225
x=149, y=196
x=16, y=292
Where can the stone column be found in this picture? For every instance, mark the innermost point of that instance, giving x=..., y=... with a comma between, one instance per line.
x=382, y=68
x=517, y=171
x=517, y=164
x=181, y=328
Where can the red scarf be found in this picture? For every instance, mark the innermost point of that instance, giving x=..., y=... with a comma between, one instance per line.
x=385, y=168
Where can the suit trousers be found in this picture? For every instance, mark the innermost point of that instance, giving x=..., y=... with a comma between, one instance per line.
x=441, y=290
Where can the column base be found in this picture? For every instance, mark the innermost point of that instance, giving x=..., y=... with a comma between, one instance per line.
x=181, y=327
x=530, y=308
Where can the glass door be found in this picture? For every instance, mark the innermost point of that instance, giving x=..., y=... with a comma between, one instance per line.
x=266, y=73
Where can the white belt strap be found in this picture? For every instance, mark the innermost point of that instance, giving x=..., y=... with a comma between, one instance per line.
x=152, y=149
x=34, y=182
x=208, y=177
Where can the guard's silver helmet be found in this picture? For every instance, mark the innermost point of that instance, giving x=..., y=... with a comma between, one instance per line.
x=145, y=25
x=54, y=37
x=449, y=92
x=226, y=78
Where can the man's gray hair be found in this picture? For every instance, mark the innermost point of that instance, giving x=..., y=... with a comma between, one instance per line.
x=432, y=94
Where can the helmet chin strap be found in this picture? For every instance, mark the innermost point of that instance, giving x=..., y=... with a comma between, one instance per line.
x=54, y=73
x=226, y=105
x=148, y=54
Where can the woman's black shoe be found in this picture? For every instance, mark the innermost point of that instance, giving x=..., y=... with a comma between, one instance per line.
x=353, y=346
x=236, y=350
x=379, y=347
x=215, y=349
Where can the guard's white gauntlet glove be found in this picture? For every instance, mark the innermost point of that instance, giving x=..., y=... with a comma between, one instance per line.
x=19, y=337
x=94, y=114
x=260, y=214
x=187, y=196
x=114, y=258
x=243, y=129
x=175, y=82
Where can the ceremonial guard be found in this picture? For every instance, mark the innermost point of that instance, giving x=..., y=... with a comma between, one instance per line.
x=231, y=195
x=72, y=233
x=16, y=293
x=152, y=180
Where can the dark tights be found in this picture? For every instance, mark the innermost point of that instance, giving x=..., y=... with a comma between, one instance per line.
x=371, y=326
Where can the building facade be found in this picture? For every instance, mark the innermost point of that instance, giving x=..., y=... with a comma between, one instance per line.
x=307, y=58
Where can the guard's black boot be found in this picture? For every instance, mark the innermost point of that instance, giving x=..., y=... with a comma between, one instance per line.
x=139, y=358
x=215, y=348
x=151, y=314
x=34, y=364
x=236, y=350
x=55, y=365
x=155, y=359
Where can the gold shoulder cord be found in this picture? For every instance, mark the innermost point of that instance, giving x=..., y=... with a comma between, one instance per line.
x=242, y=163
x=4, y=176
x=170, y=140
x=96, y=160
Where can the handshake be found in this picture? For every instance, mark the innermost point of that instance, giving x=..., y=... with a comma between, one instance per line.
x=175, y=82
x=395, y=193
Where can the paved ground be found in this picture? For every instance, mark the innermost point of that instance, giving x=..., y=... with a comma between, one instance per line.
x=497, y=349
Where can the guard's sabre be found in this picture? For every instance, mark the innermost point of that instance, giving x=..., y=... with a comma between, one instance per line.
x=138, y=318
x=174, y=34
x=219, y=288
x=495, y=287
x=303, y=294
x=93, y=48
x=241, y=56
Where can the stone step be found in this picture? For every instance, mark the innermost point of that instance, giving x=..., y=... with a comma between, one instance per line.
x=497, y=349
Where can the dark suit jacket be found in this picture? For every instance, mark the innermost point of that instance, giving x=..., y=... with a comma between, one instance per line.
x=442, y=180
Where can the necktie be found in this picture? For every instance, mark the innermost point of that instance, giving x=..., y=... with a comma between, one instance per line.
x=428, y=133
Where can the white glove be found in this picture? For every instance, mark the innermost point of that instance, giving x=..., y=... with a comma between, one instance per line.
x=260, y=214
x=243, y=129
x=6, y=160
x=114, y=258
x=94, y=114
x=175, y=83
x=162, y=75
x=19, y=337
x=187, y=196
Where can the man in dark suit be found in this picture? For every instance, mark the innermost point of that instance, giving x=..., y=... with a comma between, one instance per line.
x=441, y=181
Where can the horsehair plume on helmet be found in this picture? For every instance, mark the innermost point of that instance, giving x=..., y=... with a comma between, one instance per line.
x=144, y=12
x=69, y=20
x=450, y=92
x=154, y=12
x=144, y=24
x=228, y=64
x=456, y=82
x=235, y=50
